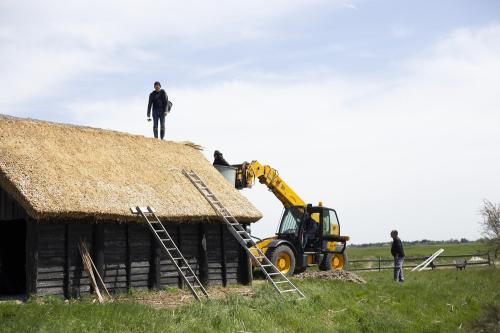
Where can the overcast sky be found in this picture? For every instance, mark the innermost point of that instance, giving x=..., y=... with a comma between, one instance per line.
x=387, y=111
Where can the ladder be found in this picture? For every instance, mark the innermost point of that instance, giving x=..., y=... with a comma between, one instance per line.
x=278, y=280
x=172, y=251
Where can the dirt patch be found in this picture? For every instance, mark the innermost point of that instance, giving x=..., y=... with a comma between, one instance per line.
x=331, y=275
x=172, y=298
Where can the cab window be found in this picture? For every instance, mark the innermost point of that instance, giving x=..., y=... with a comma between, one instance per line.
x=330, y=223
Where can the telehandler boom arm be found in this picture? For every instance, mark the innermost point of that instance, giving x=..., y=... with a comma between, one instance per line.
x=247, y=173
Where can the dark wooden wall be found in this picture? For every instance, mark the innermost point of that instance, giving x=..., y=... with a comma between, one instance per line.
x=9, y=208
x=128, y=256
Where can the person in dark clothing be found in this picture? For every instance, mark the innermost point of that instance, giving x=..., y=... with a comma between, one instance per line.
x=398, y=253
x=310, y=229
x=219, y=159
x=158, y=101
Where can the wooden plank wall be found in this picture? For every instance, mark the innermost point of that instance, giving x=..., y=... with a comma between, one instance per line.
x=129, y=257
x=9, y=208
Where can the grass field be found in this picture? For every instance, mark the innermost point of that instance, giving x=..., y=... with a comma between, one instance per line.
x=431, y=301
x=373, y=252
x=384, y=252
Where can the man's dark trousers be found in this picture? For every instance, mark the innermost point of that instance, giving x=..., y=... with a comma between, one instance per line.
x=398, y=269
x=159, y=115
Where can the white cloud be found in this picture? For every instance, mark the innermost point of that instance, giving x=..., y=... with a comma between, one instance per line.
x=49, y=43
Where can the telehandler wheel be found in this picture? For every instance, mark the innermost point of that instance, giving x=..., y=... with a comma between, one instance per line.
x=334, y=261
x=283, y=258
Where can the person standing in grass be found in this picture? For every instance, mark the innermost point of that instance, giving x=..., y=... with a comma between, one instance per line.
x=158, y=101
x=398, y=253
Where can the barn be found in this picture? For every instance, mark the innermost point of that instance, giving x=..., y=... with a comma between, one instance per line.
x=62, y=183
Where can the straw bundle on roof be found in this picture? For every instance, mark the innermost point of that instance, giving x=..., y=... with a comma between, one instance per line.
x=63, y=171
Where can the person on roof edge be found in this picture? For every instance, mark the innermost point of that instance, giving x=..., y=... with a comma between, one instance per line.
x=219, y=159
x=158, y=101
x=398, y=253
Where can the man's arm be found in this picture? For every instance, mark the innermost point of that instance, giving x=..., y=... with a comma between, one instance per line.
x=165, y=100
x=150, y=103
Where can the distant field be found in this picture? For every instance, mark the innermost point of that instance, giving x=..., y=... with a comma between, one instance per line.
x=415, y=250
x=430, y=301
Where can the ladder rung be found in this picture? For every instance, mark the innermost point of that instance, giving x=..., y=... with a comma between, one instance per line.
x=178, y=259
x=287, y=291
x=276, y=282
x=273, y=273
x=171, y=249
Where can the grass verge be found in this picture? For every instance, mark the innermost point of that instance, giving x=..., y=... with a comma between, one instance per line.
x=431, y=301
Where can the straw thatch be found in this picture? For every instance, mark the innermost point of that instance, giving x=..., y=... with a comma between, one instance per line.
x=63, y=171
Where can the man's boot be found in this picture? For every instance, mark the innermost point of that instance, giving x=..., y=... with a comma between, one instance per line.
x=155, y=132
x=162, y=133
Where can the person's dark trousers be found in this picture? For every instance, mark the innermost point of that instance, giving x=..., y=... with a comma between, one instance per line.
x=398, y=269
x=159, y=115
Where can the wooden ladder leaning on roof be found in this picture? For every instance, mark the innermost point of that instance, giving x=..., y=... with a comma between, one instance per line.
x=278, y=280
x=174, y=254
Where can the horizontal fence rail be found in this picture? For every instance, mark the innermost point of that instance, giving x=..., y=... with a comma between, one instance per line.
x=414, y=261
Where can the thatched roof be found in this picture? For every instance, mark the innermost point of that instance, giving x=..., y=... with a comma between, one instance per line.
x=63, y=171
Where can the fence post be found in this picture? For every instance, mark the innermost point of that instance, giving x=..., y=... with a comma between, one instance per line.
x=379, y=264
x=489, y=260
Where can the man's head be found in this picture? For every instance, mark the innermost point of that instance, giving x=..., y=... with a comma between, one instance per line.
x=157, y=86
x=217, y=154
x=394, y=233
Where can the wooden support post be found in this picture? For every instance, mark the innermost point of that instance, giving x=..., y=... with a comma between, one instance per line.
x=489, y=259
x=245, y=271
x=223, y=255
x=179, y=246
x=66, y=282
x=203, y=256
x=128, y=264
x=155, y=265
x=379, y=264
x=98, y=248
x=31, y=256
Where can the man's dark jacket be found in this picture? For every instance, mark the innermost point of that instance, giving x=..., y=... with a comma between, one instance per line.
x=158, y=100
x=397, y=248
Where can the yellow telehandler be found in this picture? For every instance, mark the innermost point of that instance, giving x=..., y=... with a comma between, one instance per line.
x=307, y=235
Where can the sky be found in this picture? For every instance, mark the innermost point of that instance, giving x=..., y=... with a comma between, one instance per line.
x=386, y=111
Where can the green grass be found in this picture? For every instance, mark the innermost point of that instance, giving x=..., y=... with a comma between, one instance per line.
x=431, y=301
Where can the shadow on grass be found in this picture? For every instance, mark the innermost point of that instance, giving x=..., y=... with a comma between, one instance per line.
x=489, y=320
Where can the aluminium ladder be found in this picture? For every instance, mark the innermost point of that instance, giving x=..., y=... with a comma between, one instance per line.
x=172, y=251
x=278, y=280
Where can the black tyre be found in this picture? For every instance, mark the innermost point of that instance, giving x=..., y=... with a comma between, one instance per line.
x=299, y=270
x=334, y=261
x=283, y=258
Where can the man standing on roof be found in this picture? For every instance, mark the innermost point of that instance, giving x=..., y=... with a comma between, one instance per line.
x=219, y=159
x=158, y=100
x=398, y=253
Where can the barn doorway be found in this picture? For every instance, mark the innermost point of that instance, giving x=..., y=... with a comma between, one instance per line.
x=12, y=257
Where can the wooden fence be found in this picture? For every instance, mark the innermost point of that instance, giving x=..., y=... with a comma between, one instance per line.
x=379, y=264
